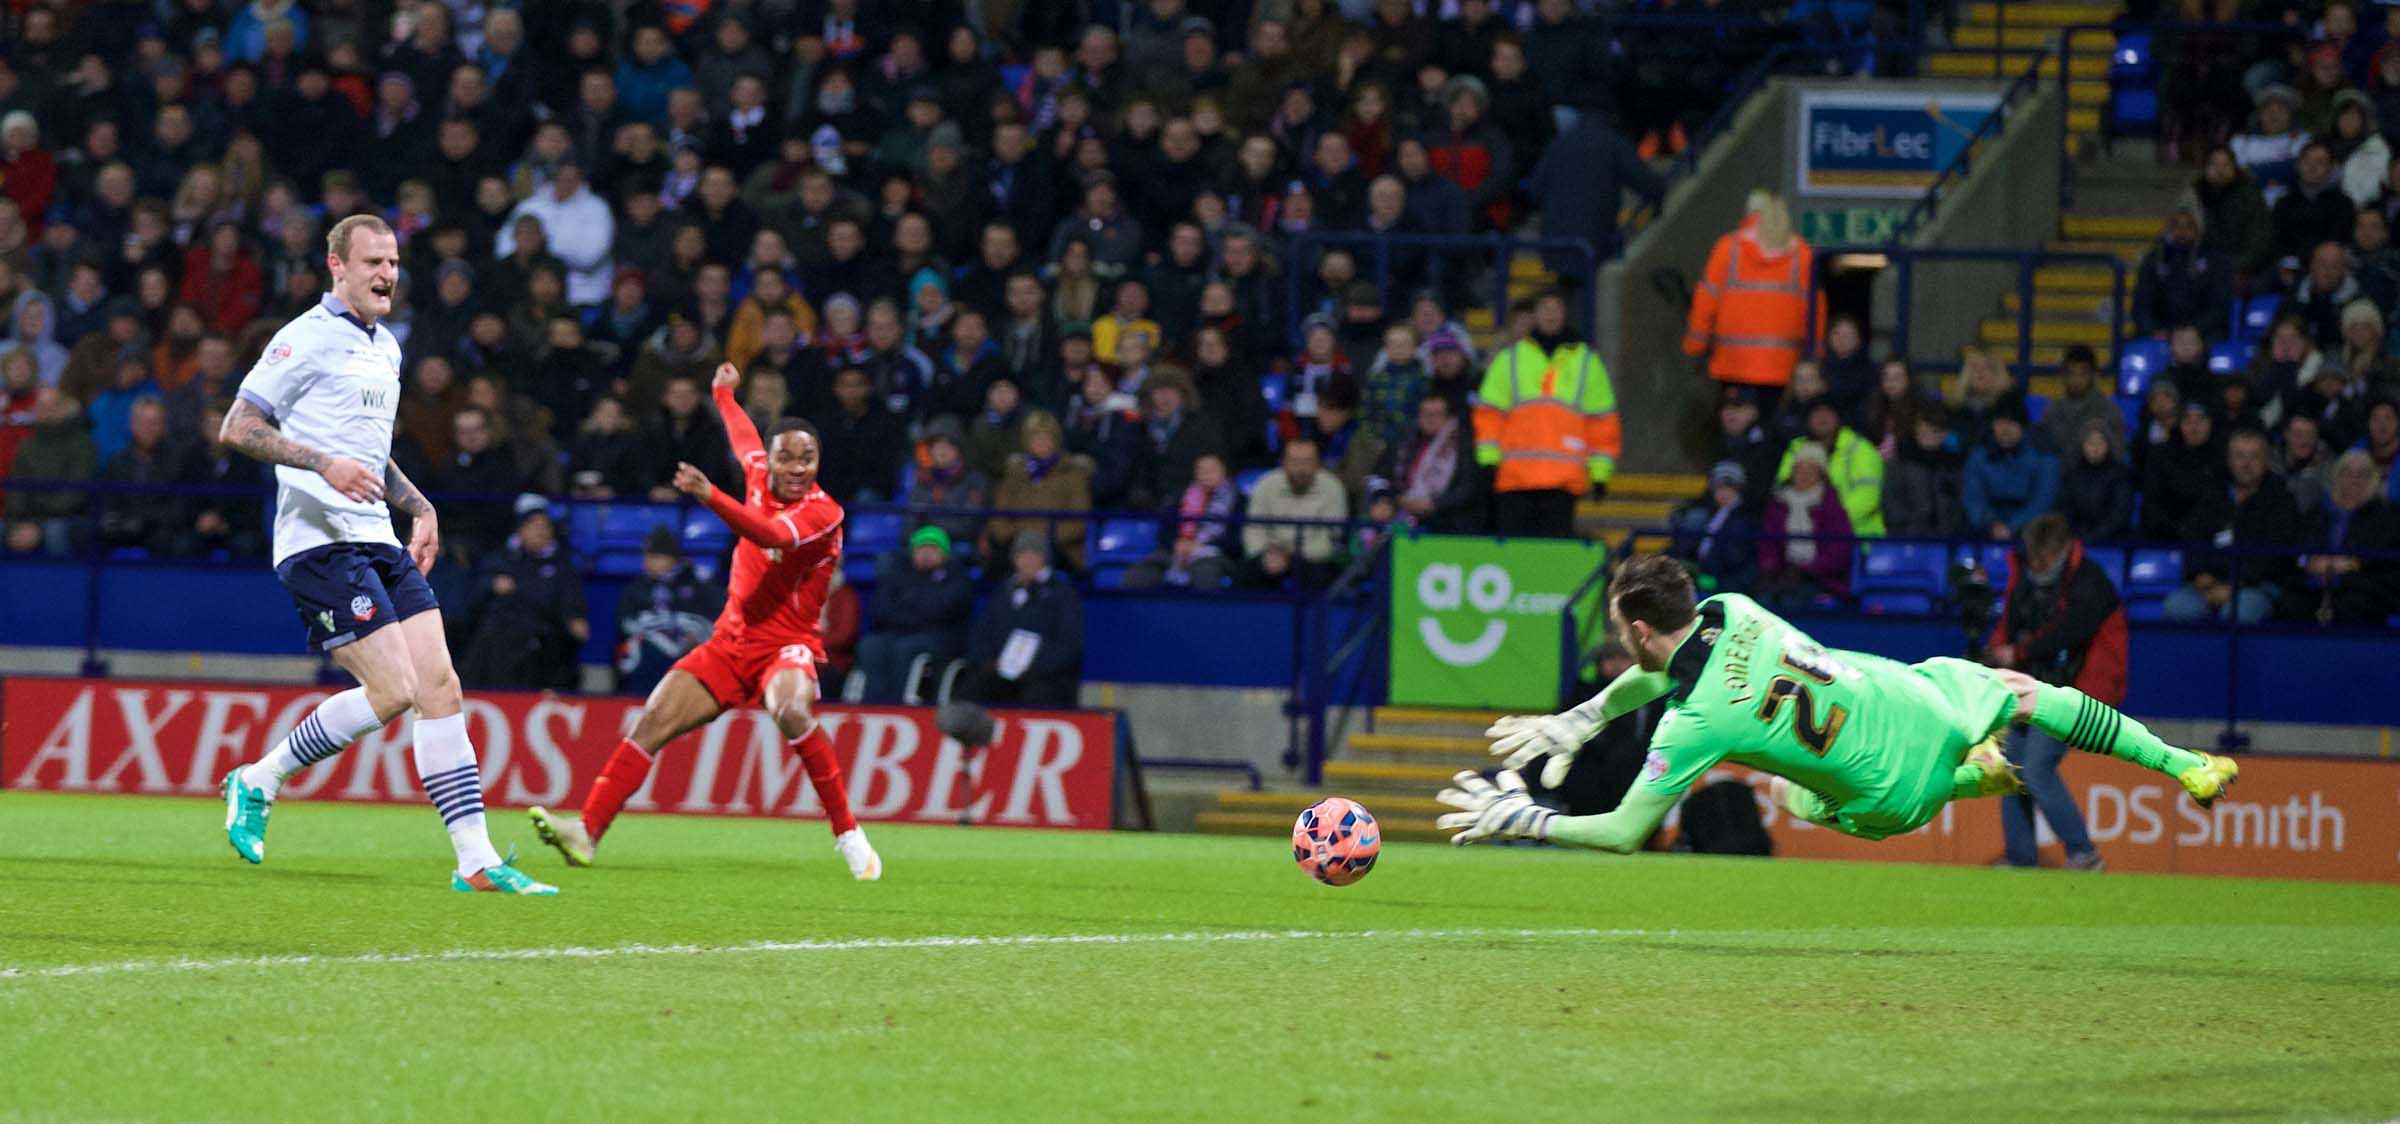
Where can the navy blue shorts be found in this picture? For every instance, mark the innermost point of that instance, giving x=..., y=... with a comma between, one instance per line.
x=346, y=590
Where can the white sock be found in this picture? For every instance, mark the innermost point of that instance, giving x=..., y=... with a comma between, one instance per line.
x=328, y=730
x=446, y=767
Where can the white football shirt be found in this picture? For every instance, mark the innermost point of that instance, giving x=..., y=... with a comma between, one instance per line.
x=332, y=384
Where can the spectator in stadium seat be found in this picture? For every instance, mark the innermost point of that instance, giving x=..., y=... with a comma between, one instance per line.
x=1804, y=543
x=922, y=604
x=233, y=523
x=92, y=363
x=946, y=480
x=1922, y=484
x=222, y=281
x=2095, y=493
x=1888, y=417
x=679, y=349
x=1742, y=439
x=664, y=612
x=1196, y=557
x=483, y=464
x=1719, y=532
x=28, y=172
x=1351, y=452
x=607, y=458
x=2315, y=210
x=2372, y=259
x=58, y=448
x=2180, y=471
x=2179, y=281
x=1174, y=433
x=996, y=431
x=1750, y=311
x=2061, y=622
x=1277, y=555
x=2305, y=460
x=1042, y=477
x=2337, y=587
x=2081, y=402
x=2253, y=509
x=2235, y=223
x=1435, y=485
x=1472, y=153
x=31, y=322
x=527, y=613
x=2318, y=300
x=1984, y=385
x=2358, y=147
x=1853, y=467
x=149, y=520
x=111, y=413
x=1112, y=236
x=864, y=443
x=2382, y=439
x=2008, y=482
x=1027, y=646
x=2270, y=151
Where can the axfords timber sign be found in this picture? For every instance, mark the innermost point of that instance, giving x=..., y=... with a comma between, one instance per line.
x=114, y=736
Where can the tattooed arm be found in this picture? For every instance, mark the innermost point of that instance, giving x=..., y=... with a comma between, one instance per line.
x=250, y=430
x=424, y=534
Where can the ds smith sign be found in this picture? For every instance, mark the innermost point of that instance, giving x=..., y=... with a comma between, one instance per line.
x=1884, y=145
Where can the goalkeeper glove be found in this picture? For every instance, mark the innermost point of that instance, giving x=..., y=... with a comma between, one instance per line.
x=1492, y=811
x=1521, y=738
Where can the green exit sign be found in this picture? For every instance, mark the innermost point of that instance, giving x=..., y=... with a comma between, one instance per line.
x=1851, y=225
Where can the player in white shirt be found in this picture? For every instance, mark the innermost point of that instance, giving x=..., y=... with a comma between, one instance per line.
x=319, y=406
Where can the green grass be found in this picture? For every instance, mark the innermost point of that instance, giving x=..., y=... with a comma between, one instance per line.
x=1723, y=990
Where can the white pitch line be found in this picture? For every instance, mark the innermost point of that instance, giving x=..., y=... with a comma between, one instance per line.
x=857, y=944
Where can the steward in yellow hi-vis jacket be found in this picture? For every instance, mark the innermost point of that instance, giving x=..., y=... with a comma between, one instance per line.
x=1546, y=424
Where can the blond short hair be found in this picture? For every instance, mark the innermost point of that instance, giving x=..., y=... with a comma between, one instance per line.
x=337, y=240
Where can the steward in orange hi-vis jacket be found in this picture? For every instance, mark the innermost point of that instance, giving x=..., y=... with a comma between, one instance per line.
x=1546, y=424
x=1750, y=313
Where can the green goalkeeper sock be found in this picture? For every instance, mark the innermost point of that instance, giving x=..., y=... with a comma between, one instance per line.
x=2089, y=724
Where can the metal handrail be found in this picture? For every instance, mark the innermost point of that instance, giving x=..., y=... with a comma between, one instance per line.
x=2066, y=55
x=1923, y=209
x=1905, y=258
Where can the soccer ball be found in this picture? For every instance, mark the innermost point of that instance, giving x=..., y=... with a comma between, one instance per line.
x=1335, y=841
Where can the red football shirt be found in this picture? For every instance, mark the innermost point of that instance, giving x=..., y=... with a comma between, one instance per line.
x=783, y=567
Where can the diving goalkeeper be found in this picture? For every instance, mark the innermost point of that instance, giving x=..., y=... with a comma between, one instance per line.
x=1857, y=743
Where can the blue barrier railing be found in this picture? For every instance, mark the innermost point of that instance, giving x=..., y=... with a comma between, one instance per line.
x=1499, y=249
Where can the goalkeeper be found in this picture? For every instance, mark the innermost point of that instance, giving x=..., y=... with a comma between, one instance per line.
x=1857, y=743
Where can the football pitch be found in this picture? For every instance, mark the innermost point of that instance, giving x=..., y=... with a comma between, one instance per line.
x=729, y=969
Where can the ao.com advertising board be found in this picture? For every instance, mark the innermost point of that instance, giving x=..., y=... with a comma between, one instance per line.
x=1476, y=622
x=114, y=736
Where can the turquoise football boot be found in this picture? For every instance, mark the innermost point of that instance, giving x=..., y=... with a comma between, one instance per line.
x=246, y=811
x=501, y=879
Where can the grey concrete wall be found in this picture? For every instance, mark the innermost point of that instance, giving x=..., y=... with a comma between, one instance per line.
x=2009, y=199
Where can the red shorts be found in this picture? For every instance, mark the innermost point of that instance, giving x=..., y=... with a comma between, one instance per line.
x=736, y=672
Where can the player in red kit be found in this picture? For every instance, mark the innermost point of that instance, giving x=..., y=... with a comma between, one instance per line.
x=766, y=647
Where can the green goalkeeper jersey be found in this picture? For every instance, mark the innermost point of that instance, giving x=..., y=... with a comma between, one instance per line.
x=1876, y=739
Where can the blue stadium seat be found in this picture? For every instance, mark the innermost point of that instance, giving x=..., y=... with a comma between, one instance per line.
x=583, y=529
x=1274, y=387
x=2257, y=317
x=1249, y=479
x=2145, y=610
x=1123, y=542
x=2132, y=60
x=1896, y=604
x=2154, y=573
x=858, y=569
x=2035, y=405
x=2111, y=562
x=618, y=563
x=625, y=525
x=873, y=533
x=1109, y=576
x=2140, y=361
x=704, y=533
x=1903, y=567
x=2133, y=112
x=2228, y=358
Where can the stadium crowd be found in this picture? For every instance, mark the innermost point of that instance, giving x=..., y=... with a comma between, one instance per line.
x=1006, y=257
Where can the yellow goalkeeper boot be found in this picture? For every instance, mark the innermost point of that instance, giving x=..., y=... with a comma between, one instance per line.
x=1992, y=772
x=2210, y=779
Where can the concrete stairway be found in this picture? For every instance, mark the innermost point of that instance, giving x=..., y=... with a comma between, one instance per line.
x=2121, y=202
x=1394, y=770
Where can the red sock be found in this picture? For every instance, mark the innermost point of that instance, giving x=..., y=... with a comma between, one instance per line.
x=616, y=784
x=816, y=755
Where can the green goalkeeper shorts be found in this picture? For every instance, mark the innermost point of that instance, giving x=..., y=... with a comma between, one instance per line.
x=1951, y=705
